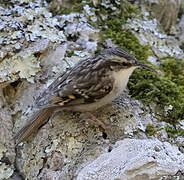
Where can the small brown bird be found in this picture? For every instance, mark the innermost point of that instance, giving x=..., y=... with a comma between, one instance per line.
x=89, y=85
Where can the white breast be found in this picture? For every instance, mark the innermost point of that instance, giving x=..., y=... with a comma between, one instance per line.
x=121, y=79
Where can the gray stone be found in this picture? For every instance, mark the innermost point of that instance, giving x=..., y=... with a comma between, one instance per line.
x=148, y=32
x=133, y=159
x=166, y=11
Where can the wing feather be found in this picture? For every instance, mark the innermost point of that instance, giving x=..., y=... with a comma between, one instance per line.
x=83, y=84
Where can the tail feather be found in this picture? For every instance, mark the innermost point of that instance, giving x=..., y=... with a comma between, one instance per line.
x=37, y=121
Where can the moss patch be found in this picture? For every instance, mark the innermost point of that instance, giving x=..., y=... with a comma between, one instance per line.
x=114, y=15
x=126, y=40
x=165, y=90
x=173, y=132
x=77, y=6
x=152, y=130
x=111, y=28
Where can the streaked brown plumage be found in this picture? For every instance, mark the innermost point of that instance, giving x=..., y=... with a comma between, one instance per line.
x=89, y=85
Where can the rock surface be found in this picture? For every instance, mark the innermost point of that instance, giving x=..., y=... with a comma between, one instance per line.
x=135, y=159
x=166, y=12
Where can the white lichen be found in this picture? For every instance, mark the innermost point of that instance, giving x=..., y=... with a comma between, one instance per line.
x=5, y=171
x=20, y=27
x=150, y=34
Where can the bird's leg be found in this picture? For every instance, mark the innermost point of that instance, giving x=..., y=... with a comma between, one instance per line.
x=94, y=120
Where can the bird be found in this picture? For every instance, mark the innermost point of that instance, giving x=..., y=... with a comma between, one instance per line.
x=89, y=85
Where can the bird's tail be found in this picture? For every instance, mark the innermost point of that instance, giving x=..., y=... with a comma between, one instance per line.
x=40, y=118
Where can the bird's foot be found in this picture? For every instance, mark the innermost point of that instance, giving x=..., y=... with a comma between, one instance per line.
x=92, y=119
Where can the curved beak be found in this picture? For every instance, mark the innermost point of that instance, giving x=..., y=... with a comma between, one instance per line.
x=145, y=66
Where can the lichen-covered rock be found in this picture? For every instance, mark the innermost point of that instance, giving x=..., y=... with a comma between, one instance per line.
x=36, y=47
x=24, y=33
x=132, y=159
x=149, y=33
x=68, y=139
x=76, y=25
x=181, y=32
x=5, y=171
x=7, y=151
x=166, y=12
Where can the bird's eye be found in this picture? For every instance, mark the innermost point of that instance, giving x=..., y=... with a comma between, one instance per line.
x=126, y=64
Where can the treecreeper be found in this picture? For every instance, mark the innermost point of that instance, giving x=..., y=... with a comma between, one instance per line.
x=89, y=85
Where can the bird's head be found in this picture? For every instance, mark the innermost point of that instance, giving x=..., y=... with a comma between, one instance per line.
x=121, y=58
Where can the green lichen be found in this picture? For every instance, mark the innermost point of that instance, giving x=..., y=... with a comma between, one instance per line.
x=124, y=8
x=70, y=53
x=152, y=130
x=77, y=6
x=114, y=18
x=173, y=132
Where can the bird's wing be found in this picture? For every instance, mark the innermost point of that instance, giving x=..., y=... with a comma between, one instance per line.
x=44, y=97
x=82, y=85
